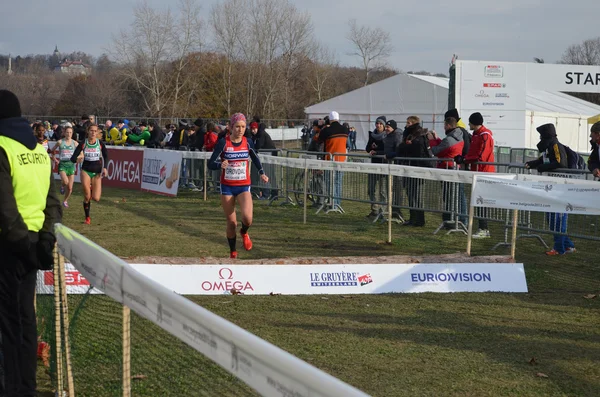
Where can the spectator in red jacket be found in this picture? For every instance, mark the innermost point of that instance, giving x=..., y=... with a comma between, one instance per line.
x=481, y=150
x=482, y=145
x=211, y=137
x=449, y=147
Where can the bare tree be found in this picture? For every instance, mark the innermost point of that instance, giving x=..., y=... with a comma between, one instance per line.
x=372, y=46
x=154, y=53
x=322, y=68
x=586, y=53
x=227, y=21
x=296, y=42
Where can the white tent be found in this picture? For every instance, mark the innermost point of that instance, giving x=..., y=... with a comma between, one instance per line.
x=405, y=95
x=569, y=115
x=396, y=97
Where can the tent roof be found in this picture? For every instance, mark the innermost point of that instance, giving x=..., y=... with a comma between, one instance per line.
x=399, y=94
x=443, y=82
x=558, y=102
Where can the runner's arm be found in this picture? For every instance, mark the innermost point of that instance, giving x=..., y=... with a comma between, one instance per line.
x=76, y=153
x=254, y=157
x=215, y=160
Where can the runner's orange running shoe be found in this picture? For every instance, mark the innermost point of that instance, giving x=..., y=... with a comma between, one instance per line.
x=247, y=242
x=88, y=220
x=233, y=255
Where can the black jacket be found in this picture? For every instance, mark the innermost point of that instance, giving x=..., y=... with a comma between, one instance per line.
x=553, y=152
x=80, y=131
x=156, y=137
x=12, y=226
x=594, y=159
x=391, y=142
x=262, y=140
x=417, y=148
x=375, y=143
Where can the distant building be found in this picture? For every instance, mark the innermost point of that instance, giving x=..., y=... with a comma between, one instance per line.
x=73, y=67
x=68, y=66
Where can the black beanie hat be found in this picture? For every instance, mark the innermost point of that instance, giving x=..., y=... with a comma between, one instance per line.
x=392, y=123
x=476, y=119
x=452, y=113
x=198, y=122
x=596, y=127
x=9, y=105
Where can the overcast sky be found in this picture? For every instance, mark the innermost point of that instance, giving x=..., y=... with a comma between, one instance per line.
x=424, y=33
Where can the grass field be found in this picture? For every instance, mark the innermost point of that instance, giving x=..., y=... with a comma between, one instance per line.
x=387, y=345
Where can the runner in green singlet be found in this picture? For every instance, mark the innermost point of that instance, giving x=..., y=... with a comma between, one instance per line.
x=65, y=148
x=95, y=160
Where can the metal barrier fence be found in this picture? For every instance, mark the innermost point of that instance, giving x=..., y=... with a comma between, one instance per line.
x=301, y=178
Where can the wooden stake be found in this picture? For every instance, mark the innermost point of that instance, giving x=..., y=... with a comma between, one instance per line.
x=305, y=189
x=57, y=323
x=513, y=243
x=65, y=318
x=126, y=352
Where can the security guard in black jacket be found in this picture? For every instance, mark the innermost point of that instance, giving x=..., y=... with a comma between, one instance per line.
x=29, y=208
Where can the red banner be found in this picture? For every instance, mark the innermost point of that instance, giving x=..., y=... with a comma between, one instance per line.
x=124, y=169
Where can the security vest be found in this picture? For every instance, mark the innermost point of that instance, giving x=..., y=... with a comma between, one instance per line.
x=30, y=173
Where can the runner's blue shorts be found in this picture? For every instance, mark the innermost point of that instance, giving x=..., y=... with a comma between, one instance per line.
x=233, y=190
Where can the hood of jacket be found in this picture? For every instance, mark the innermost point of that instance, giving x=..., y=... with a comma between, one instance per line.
x=547, y=136
x=18, y=129
x=547, y=131
x=456, y=134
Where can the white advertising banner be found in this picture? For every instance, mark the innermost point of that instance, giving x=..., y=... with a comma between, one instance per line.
x=540, y=196
x=563, y=78
x=497, y=91
x=160, y=172
x=326, y=279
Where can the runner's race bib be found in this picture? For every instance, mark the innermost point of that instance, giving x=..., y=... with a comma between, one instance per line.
x=92, y=154
x=235, y=171
x=65, y=154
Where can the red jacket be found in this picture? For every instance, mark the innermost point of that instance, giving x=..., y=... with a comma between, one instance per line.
x=481, y=150
x=210, y=140
x=449, y=147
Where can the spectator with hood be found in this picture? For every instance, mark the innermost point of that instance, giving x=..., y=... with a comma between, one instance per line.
x=374, y=146
x=553, y=152
x=553, y=156
x=594, y=159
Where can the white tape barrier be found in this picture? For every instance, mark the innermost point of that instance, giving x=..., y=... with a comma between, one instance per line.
x=317, y=279
x=263, y=366
x=546, y=194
